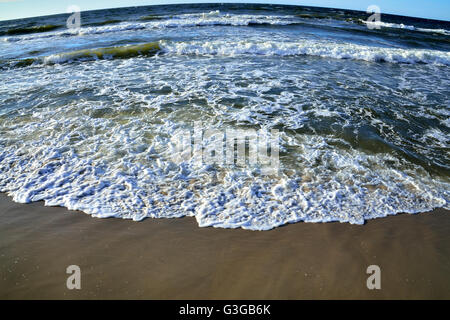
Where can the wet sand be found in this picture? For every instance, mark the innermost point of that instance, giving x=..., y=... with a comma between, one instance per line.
x=175, y=259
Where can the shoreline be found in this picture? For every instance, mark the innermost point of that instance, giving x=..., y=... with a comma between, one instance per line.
x=176, y=259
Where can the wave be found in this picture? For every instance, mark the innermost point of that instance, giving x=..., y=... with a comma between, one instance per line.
x=214, y=18
x=35, y=29
x=106, y=22
x=382, y=24
x=312, y=16
x=228, y=48
x=203, y=19
x=309, y=48
x=121, y=52
x=152, y=18
x=365, y=188
x=118, y=52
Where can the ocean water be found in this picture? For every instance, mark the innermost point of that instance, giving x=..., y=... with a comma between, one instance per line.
x=88, y=117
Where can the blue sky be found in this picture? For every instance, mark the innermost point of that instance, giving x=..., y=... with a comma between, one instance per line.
x=435, y=9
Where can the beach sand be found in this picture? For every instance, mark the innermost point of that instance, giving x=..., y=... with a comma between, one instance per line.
x=175, y=259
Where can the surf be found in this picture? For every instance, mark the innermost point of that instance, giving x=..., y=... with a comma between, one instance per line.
x=324, y=49
x=28, y=30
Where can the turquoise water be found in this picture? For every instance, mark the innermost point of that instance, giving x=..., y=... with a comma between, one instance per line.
x=88, y=117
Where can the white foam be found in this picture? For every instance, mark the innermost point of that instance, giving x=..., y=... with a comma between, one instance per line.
x=437, y=136
x=110, y=154
x=382, y=24
x=326, y=49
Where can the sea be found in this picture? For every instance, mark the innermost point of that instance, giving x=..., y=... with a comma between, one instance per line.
x=359, y=111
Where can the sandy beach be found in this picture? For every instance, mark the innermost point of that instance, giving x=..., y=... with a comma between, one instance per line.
x=175, y=259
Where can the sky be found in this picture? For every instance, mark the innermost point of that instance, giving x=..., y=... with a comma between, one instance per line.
x=433, y=9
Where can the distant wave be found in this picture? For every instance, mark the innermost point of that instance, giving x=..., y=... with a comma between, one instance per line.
x=28, y=30
x=152, y=18
x=407, y=27
x=104, y=23
x=214, y=18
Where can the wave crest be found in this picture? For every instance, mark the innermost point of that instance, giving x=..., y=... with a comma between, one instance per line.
x=310, y=48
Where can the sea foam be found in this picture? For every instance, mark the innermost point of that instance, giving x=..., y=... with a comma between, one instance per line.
x=110, y=153
x=325, y=49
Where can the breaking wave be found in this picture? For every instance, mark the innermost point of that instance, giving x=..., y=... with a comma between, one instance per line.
x=382, y=24
x=310, y=48
x=118, y=52
x=122, y=52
